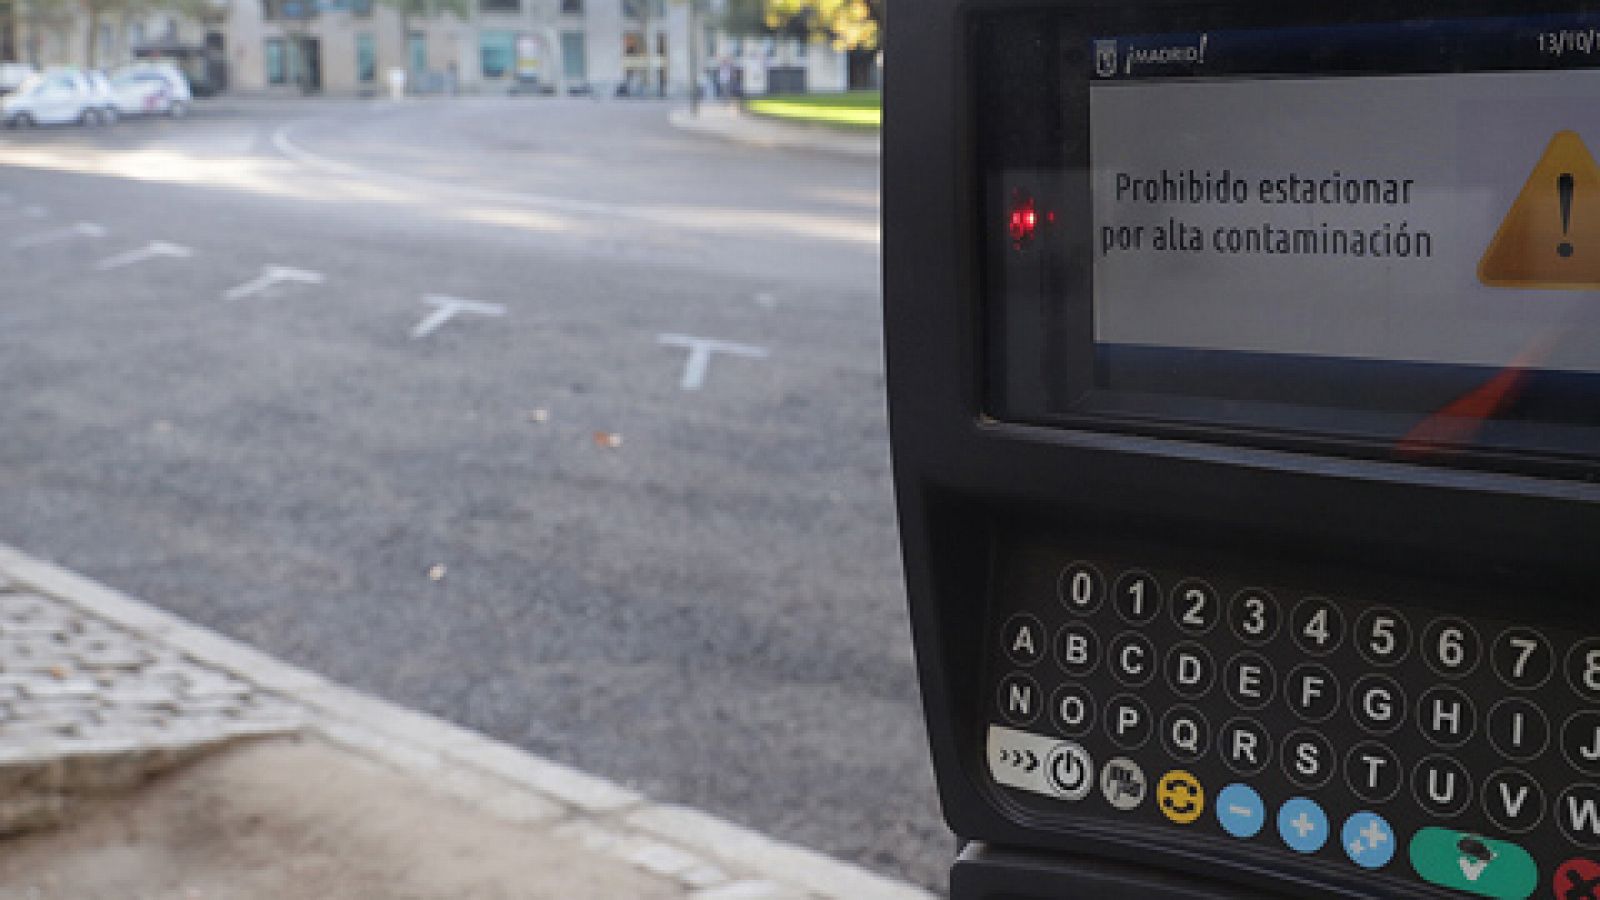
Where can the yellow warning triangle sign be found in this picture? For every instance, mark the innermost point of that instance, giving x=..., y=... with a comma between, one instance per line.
x=1551, y=237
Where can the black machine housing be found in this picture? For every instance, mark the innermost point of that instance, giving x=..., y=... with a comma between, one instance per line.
x=985, y=493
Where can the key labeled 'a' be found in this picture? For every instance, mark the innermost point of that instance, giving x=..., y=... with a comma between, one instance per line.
x=1550, y=239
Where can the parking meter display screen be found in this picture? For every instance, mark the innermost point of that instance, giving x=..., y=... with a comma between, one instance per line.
x=1390, y=230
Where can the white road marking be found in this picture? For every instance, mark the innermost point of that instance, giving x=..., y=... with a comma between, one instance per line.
x=767, y=300
x=149, y=251
x=56, y=235
x=700, y=351
x=448, y=308
x=270, y=277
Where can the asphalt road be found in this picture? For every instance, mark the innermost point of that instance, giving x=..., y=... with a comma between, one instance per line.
x=535, y=515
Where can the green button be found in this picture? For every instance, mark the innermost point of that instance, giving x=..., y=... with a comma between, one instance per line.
x=1477, y=865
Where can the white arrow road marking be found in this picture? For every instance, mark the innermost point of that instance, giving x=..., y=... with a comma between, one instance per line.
x=56, y=235
x=270, y=277
x=448, y=308
x=700, y=351
x=149, y=251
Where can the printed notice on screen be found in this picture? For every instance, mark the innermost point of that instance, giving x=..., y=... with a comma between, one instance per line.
x=1429, y=218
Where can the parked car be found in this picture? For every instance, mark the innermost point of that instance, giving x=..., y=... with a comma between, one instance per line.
x=105, y=101
x=12, y=75
x=151, y=89
x=54, y=97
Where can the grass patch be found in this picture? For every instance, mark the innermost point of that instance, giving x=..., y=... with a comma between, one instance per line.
x=855, y=110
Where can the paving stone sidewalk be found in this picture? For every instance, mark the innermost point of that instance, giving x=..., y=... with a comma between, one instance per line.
x=87, y=707
x=99, y=691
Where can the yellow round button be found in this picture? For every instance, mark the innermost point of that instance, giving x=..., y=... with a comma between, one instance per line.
x=1180, y=796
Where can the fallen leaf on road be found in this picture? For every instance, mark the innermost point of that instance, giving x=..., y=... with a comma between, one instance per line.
x=609, y=440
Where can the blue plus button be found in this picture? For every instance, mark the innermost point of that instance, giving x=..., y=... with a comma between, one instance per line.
x=1368, y=840
x=1303, y=825
x=1240, y=811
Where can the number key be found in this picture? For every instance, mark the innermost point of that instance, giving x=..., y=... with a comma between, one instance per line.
x=1451, y=647
x=1383, y=636
x=1081, y=588
x=1583, y=668
x=1318, y=626
x=1195, y=606
x=1523, y=658
x=1138, y=597
x=1254, y=615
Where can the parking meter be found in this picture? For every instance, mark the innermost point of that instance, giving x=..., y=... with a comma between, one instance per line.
x=1244, y=373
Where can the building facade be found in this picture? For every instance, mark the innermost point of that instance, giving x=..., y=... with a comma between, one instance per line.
x=475, y=46
x=496, y=45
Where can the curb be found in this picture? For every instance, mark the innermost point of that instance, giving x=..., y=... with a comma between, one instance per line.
x=765, y=133
x=698, y=850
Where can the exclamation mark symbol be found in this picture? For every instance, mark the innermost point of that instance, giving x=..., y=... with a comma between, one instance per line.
x=1565, y=185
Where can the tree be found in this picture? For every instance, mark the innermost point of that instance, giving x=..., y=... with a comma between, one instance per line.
x=8, y=30
x=35, y=16
x=93, y=11
x=850, y=24
x=744, y=17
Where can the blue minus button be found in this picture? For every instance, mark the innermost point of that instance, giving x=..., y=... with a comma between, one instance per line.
x=1240, y=811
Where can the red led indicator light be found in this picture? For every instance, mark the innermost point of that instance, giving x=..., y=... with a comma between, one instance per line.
x=1025, y=219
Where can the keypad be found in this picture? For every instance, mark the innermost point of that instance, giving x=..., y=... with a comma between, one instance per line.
x=1365, y=731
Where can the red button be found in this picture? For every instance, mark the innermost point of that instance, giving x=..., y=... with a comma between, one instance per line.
x=1577, y=879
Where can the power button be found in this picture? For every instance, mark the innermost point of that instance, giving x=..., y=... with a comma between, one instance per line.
x=1070, y=771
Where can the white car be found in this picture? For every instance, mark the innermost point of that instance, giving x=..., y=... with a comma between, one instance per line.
x=54, y=97
x=12, y=75
x=104, y=98
x=151, y=90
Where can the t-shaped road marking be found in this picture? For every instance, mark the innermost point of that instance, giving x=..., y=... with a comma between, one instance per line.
x=149, y=251
x=270, y=277
x=700, y=351
x=448, y=308
x=56, y=235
